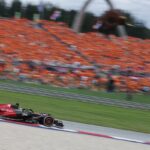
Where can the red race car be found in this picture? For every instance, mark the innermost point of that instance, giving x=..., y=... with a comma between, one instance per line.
x=15, y=113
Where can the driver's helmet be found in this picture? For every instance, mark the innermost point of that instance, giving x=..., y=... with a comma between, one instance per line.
x=16, y=106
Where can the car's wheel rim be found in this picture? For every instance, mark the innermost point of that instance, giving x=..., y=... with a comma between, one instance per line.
x=48, y=121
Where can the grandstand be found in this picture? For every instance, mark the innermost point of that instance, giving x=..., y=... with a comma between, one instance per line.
x=51, y=53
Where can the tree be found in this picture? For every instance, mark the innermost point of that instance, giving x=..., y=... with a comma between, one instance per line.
x=16, y=6
x=89, y=20
x=72, y=15
x=30, y=11
x=80, y=16
x=48, y=12
x=135, y=28
x=2, y=8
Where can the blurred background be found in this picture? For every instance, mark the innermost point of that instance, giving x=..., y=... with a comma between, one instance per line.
x=90, y=44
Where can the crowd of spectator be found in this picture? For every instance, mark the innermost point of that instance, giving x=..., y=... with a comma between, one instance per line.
x=51, y=53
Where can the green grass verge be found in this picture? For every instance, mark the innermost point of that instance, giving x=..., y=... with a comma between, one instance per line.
x=130, y=119
x=141, y=98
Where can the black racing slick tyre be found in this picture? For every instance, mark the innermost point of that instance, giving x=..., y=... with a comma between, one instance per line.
x=58, y=124
x=48, y=121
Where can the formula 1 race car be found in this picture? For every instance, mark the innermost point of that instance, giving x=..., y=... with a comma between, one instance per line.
x=15, y=113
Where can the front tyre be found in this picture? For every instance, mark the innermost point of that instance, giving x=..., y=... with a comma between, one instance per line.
x=58, y=124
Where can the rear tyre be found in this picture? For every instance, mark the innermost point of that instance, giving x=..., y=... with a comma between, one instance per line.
x=48, y=121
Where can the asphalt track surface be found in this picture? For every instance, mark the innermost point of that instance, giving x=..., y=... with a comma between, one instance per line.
x=121, y=134
x=19, y=137
x=72, y=96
